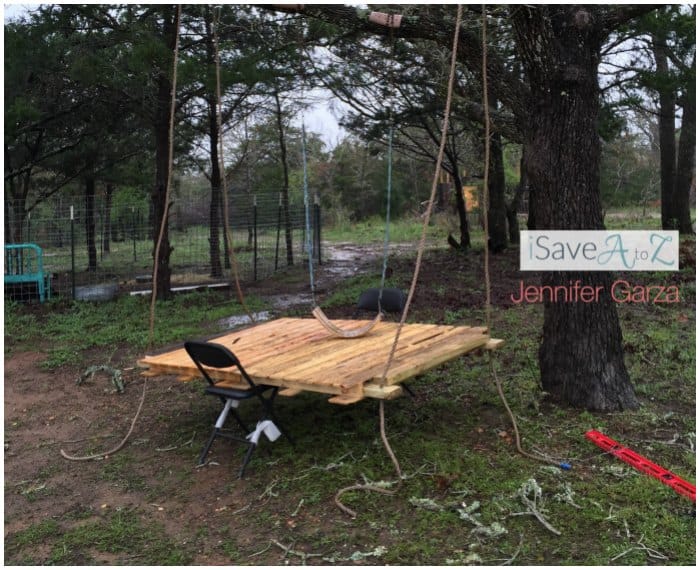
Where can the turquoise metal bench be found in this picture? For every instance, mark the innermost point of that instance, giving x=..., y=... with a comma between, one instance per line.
x=24, y=263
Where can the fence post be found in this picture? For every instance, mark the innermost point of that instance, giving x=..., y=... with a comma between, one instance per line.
x=72, y=252
x=255, y=237
x=133, y=229
x=317, y=225
x=279, y=228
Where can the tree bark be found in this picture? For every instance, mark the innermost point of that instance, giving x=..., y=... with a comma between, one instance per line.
x=106, y=240
x=216, y=174
x=667, y=136
x=685, y=167
x=216, y=194
x=90, y=223
x=285, y=182
x=581, y=356
x=460, y=206
x=161, y=126
x=498, y=240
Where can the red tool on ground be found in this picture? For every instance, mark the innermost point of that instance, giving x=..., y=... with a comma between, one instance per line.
x=642, y=464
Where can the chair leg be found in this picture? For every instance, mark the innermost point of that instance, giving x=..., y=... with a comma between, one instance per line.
x=205, y=451
x=246, y=459
x=269, y=413
x=408, y=389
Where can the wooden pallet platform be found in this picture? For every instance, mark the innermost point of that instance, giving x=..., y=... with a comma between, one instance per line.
x=301, y=355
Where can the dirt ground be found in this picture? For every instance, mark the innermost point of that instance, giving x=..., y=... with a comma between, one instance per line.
x=46, y=412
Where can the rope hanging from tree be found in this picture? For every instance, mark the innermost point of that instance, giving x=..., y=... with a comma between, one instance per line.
x=168, y=178
x=487, y=271
x=414, y=281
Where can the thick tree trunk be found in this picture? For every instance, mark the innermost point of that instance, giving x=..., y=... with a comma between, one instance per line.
x=285, y=183
x=460, y=206
x=216, y=194
x=498, y=237
x=90, y=223
x=19, y=207
x=161, y=127
x=216, y=174
x=581, y=355
x=685, y=168
x=464, y=237
x=667, y=137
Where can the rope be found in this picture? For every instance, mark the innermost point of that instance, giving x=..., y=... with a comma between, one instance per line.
x=164, y=220
x=416, y=272
x=227, y=228
x=387, y=224
x=123, y=442
x=307, y=215
x=390, y=159
x=487, y=272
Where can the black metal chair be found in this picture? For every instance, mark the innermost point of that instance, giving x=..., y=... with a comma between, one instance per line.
x=217, y=356
x=388, y=300
x=392, y=300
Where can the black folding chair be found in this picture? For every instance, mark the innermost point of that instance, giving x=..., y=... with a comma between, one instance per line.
x=217, y=356
x=388, y=300
x=392, y=300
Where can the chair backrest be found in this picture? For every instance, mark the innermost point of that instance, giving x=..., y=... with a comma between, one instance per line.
x=24, y=259
x=215, y=356
x=392, y=300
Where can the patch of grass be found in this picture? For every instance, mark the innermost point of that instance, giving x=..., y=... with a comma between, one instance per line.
x=79, y=326
x=372, y=231
x=121, y=470
x=19, y=324
x=34, y=535
x=121, y=533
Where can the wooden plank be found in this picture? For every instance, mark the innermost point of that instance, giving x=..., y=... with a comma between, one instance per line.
x=289, y=392
x=420, y=351
x=414, y=366
x=337, y=363
x=494, y=343
x=350, y=397
x=372, y=390
x=188, y=377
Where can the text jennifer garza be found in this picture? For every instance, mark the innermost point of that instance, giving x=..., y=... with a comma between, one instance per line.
x=620, y=291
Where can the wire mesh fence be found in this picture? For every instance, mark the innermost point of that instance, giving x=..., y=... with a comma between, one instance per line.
x=86, y=255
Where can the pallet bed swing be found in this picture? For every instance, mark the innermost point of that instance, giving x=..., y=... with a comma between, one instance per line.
x=344, y=358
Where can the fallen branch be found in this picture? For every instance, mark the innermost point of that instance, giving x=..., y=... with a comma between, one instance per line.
x=531, y=487
x=367, y=487
x=174, y=447
x=650, y=552
x=288, y=550
x=517, y=552
x=263, y=551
